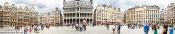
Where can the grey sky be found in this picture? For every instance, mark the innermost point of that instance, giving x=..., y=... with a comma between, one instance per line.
x=49, y=5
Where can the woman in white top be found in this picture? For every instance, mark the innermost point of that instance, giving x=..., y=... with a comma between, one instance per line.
x=113, y=28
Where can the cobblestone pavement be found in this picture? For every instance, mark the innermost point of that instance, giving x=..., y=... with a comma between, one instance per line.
x=10, y=30
x=90, y=30
x=70, y=30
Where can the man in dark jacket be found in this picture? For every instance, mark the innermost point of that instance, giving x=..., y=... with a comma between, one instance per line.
x=118, y=28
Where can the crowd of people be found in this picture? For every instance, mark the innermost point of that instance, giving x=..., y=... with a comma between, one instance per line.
x=31, y=28
x=167, y=28
x=134, y=25
x=156, y=27
x=80, y=27
x=116, y=27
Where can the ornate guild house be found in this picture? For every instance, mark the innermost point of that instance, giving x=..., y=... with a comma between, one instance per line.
x=75, y=11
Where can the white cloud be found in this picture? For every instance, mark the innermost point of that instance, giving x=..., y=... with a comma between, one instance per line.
x=41, y=5
x=49, y=5
x=3, y=1
x=125, y=4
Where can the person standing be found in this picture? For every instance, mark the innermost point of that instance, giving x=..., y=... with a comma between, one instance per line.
x=113, y=29
x=155, y=29
x=25, y=30
x=42, y=26
x=158, y=30
x=118, y=28
x=72, y=25
x=35, y=29
x=128, y=26
x=76, y=26
x=146, y=28
x=171, y=29
x=31, y=28
x=107, y=25
x=165, y=28
x=84, y=24
x=80, y=27
x=49, y=26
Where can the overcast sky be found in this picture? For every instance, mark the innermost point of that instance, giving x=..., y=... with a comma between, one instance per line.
x=48, y=5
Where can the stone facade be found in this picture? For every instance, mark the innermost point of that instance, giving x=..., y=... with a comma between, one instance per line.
x=169, y=14
x=52, y=18
x=11, y=14
x=143, y=14
x=107, y=14
x=75, y=11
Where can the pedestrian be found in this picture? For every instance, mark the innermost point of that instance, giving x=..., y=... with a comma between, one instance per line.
x=76, y=26
x=80, y=27
x=118, y=29
x=140, y=25
x=158, y=30
x=17, y=27
x=35, y=29
x=128, y=26
x=49, y=26
x=21, y=26
x=107, y=25
x=152, y=27
x=155, y=29
x=113, y=28
x=171, y=29
x=84, y=26
x=31, y=28
x=146, y=28
x=165, y=27
x=72, y=25
x=25, y=30
x=42, y=26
